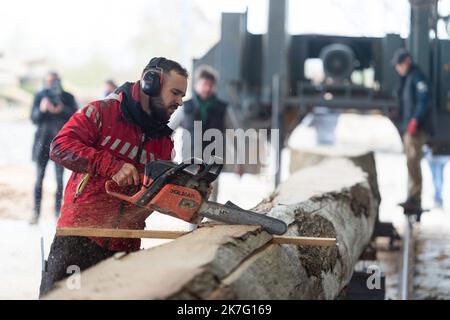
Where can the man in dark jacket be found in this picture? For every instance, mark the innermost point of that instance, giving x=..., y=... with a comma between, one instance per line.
x=414, y=96
x=52, y=107
x=112, y=139
x=208, y=109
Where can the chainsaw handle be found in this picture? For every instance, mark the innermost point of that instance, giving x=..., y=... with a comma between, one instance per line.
x=108, y=188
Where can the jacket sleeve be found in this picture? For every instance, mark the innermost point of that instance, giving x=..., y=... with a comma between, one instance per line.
x=422, y=100
x=74, y=145
x=36, y=115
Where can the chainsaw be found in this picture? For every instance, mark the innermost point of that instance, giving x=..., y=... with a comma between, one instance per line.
x=181, y=191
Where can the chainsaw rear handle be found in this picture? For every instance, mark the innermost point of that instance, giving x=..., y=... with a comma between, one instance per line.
x=132, y=199
x=108, y=187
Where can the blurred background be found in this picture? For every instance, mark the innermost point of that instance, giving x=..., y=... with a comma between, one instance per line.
x=88, y=42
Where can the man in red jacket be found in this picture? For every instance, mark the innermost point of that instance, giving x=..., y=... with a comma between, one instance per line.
x=112, y=139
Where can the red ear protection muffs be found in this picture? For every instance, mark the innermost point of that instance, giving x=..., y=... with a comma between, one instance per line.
x=152, y=79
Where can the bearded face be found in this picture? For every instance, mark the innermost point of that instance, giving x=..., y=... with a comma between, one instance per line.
x=159, y=110
x=171, y=96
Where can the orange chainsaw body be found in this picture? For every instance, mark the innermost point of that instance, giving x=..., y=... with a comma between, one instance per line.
x=177, y=201
x=169, y=195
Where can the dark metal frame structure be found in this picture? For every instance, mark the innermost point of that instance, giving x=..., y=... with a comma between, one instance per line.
x=253, y=66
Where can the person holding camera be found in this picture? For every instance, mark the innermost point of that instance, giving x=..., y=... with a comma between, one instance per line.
x=52, y=107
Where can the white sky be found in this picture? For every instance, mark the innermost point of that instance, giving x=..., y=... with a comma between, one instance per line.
x=67, y=30
x=72, y=31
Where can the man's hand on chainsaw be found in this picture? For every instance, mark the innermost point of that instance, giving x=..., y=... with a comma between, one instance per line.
x=127, y=175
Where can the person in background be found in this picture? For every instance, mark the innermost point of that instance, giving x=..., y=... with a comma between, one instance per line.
x=206, y=107
x=110, y=87
x=437, y=165
x=414, y=97
x=52, y=107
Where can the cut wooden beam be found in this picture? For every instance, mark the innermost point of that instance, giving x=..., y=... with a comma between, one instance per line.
x=196, y=260
x=312, y=156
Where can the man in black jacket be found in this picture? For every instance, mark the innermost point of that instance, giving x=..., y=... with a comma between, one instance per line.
x=52, y=107
x=414, y=97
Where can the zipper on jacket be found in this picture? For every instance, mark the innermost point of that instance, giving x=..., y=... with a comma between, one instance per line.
x=141, y=146
x=80, y=187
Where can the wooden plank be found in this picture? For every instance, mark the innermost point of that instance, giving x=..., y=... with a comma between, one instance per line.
x=119, y=233
x=160, y=234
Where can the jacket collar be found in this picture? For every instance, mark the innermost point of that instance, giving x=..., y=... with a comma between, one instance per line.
x=132, y=111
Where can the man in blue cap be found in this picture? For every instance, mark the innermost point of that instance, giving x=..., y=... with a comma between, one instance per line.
x=414, y=98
